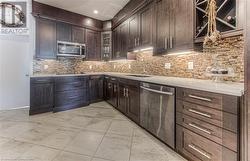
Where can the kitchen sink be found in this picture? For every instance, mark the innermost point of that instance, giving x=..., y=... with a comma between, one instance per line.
x=141, y=76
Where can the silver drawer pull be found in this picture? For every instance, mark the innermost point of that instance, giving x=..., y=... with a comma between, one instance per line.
x=113, y=79
x=199, y=151
x=200, y=98
x=199, y=128
x=200, y=113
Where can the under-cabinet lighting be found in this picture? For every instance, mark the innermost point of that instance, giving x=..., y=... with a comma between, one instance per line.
x=146, y=49
x=96, y=12
x=181, y=53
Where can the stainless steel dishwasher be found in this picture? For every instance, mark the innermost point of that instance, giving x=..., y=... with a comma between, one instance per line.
x=157, y=111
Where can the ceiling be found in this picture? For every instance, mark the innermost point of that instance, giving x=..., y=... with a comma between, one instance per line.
x=107, y=8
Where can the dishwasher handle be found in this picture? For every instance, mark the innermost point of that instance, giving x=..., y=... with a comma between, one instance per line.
x=157, y=91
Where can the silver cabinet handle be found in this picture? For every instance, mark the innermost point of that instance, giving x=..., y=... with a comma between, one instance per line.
x=115, y=88
x=138, y=41
x=199, y=151
x=199, y=128
x=124, y=92
x=200, y=98
x=200, y=113
x=113, y=79
x=156, y=91
x=165, y=43
x=171, y=42
x=109, y=85
x=127, y=92
x=135, y=41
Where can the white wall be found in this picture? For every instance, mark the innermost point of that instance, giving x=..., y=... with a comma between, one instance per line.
x=16, y=54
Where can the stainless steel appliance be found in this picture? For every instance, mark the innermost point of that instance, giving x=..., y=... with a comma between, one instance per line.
x=157, y=111
x=69, y=49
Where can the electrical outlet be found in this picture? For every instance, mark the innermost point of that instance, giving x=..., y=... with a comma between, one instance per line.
x=114, y=66
x=167, y=66
x=190, y=65
x=129, y=66
x=90, y=67
x=45, y=67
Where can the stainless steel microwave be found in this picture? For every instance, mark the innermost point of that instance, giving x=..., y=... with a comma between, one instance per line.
x=69, y=49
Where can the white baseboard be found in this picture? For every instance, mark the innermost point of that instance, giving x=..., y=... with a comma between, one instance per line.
x=14, y=108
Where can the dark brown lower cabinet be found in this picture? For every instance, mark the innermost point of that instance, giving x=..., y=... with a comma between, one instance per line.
x=71, y=92
x=197, y=148
x=95, y=88
x=129, y=99
x=207, y=125
x=112, y=91
x=41, y=95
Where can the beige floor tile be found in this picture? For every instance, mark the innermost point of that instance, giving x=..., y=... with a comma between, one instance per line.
x=39, y=153
x=86, y=143
x=121, y=127
x=98, y=124
x=139, y=156
x=59, y=139
x=99, y=159
x=101, y=105
x=13, y=149
x=67, y=156
x=114, y=147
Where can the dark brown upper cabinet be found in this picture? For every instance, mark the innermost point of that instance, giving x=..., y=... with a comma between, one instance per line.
x=146, y=26
x=133, y=34
x=45, y=39
x=63, y=32
x=116, y=44
x=78, y=34
x=124, y=39
x=162, y=26
x=181, y=35
x=120, y=41
x=93, y=43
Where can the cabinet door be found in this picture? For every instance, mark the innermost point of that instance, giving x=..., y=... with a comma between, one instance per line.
x=162, y=26
x=96, y=88
x=63, y=32
x=41, y=97
x=123, y=38
x=122, y=103
x=114, y=95
x=133, y=107
x=116, y=43
x=182, y=25
x=78, y=34
x=146, y=26
x=133, y=26
x=93, y=43
x=45, y=39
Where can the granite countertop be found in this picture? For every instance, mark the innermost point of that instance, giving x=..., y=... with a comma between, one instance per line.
x=229, y=88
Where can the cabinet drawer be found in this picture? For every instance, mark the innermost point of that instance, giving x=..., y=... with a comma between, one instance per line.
x=39, y=80
x=217, y=101
x=214, y=133
x=198, y=148
x=129, y=82
x=69, y=97
x=65, y=86
x=219, y=118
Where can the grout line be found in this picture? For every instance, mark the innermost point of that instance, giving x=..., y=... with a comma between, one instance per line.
x=131, y=144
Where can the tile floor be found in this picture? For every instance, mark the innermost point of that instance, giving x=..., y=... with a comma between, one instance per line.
x=94, y=133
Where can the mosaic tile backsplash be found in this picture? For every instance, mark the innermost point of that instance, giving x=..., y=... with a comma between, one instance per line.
x=228, y=51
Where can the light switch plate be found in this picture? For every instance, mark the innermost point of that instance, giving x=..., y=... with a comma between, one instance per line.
x=45, y=67
x=190, y=65
x=167, y=66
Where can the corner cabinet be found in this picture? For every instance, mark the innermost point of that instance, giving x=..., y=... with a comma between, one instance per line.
x=45, y=39
x=93, y=43
x=42, y=95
